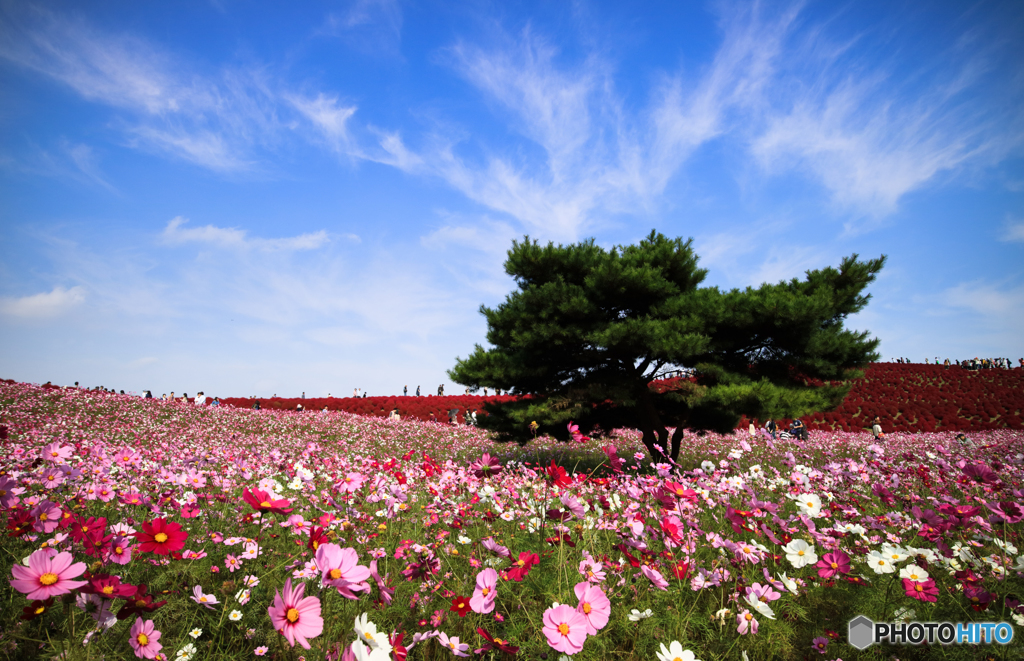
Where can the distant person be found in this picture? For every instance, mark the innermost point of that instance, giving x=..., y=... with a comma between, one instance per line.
x=453, y=416
x=148, y=395
x=440, y=390
x=172, y=395
x=256, y=406
x=200, y=398
x=771, y=427
x=364, y=394
x=798, y=429
x=298, y=407
x=417, y=391
x=215, y=402
x=184, y=398
x=355, y=392
x=405, y=391
x=303, y=394
x=433, y=418
x=485, y=392
x=876, y=427
x=394, y=415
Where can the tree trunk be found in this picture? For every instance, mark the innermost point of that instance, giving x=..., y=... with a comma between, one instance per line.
x=677, y=439
x=654, y=431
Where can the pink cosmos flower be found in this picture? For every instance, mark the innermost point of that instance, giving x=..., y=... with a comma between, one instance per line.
x=120, y=550
x=593, y=570
x=832, y=564
x=47, y=576
x=594, y=605
x=47, y=516
x=482, y=600
x=143, y=639
x=923, y=591
x=232, y=563
x=457, y=648
x=208, y=600
x=340, y=569
x=747, y=623
x=819, y=644
x=295, y=617
x=656, y=578
x=56, y=452
x=351, y=483
x=495, y=548
x=565, y=629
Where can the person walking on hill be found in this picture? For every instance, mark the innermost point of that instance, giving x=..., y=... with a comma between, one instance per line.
x=417, y=391
x=440, y=390
x=405, y=391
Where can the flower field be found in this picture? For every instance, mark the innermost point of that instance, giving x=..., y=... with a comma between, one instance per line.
x=907, y=397
x=148, y=529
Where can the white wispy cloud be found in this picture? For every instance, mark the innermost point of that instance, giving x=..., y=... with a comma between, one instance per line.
x=373, y=27
x=1013, y=230
x=175, y=233
x=45, y=305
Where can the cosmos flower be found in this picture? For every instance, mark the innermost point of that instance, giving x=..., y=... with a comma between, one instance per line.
x=143, y=638
x=296, y=618
x=47, y=576
x=565, y=629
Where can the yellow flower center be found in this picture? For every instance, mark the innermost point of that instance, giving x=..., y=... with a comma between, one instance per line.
x=800, y=553
x=49, y=578
x=834, y=566
x=485, y=591
x=160, y=537
x=292, y=615
x=108, y=589
x=563, y=629
x=919, y=588
x=586, y=607
x=265, y=504
x=335, y=574
x=143, y=639
x=42, y=517
x=748, y=616
x=118, y=550
x=810, y=503
x=40, y=609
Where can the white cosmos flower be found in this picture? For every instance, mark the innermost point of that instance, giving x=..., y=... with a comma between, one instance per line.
x=880, y=563
x=760, y=606
x=894, y=553
x=914, y=573
x=675, y=652
x=235, y=616
x=800, y=553
x=636, y=616
x=367, y=633
x=788, y=582
x=809, y=504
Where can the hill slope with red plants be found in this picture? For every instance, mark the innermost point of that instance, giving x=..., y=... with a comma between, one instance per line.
x=929, y=398
x=907, y=398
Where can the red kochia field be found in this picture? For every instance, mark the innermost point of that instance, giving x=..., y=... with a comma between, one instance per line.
x=908, y=398
x=163, y=530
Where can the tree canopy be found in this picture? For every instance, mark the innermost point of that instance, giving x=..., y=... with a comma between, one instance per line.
x=587, y=331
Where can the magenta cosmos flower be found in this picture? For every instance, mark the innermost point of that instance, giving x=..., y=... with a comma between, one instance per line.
x=143, y=639
x=482, y=600
x=923, y=591
x=47, y=576
x=594, y=605
x=832, y=564
x=565, y=628
x=295, y=617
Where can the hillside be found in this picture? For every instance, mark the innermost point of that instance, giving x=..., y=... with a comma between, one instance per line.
x=908, y=398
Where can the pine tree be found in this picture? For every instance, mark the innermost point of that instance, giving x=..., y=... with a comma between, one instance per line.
x=589, y=334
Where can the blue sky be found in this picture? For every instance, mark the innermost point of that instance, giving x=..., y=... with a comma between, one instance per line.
x=245, y=199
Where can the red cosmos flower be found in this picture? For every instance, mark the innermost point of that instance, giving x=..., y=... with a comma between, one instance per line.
x=109, y=587
x=494, y=643
x=82, y=526
x=925, y=591
x=36, y=608
x=140, y=603
x=399, y=652
x=262, y=502
x=521, y=567
x=19, y=522
x=317, y=536
x=681, y=570
x=680, y=491
x=96, y=543
x=160, y=537
x=557, y=475
x=460, y=605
